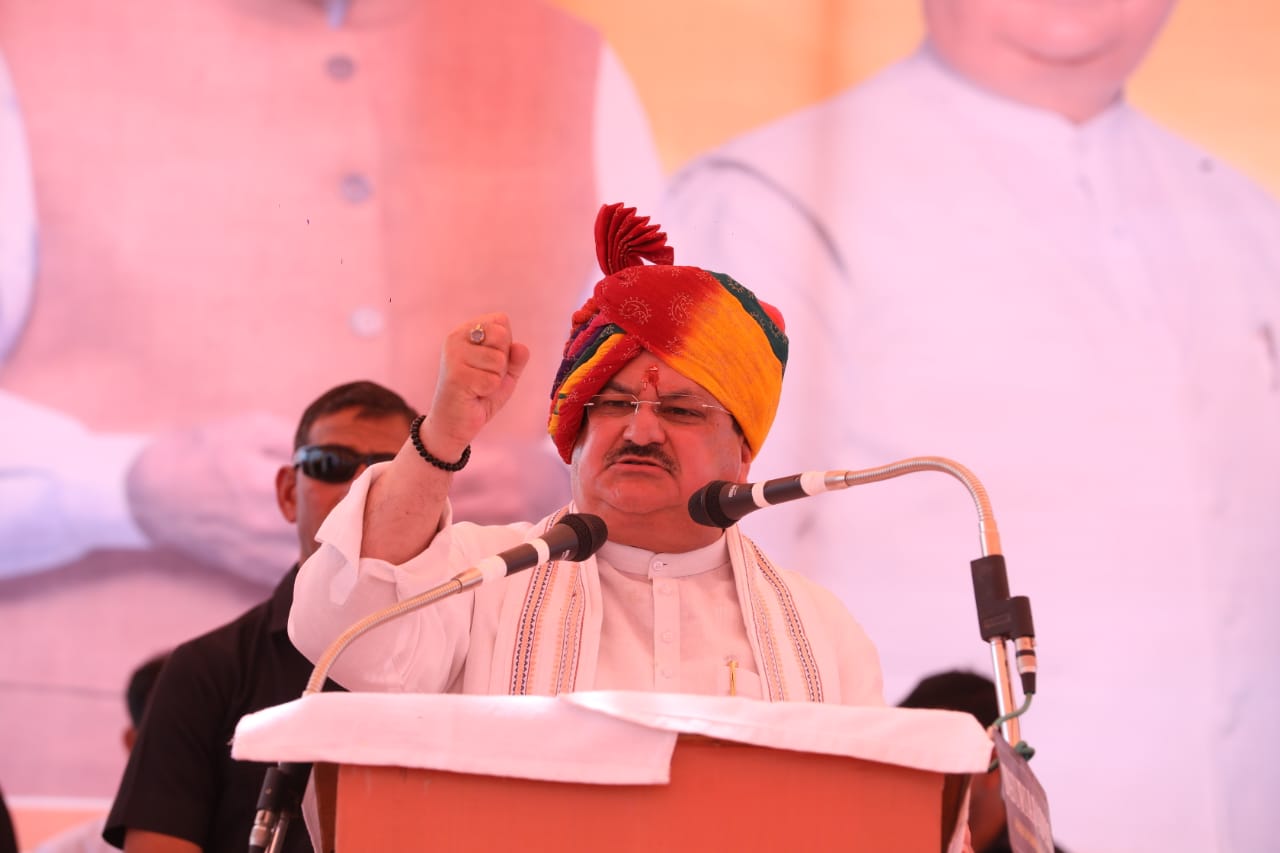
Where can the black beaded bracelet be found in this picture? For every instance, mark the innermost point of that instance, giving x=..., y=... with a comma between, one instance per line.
x=422, y=451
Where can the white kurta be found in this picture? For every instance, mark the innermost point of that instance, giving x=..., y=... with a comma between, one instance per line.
x=1085, y=316
x=666, y=622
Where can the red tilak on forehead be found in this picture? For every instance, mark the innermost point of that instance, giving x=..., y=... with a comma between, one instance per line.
x=650, y=378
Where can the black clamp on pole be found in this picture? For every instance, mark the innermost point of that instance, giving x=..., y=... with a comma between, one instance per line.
x=1002, y=618
x=279, y=802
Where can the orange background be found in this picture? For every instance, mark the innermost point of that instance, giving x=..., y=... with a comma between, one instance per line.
x=709, y=70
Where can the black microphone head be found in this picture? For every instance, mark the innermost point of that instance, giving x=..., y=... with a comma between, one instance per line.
x=591, y=533
x=704, y=505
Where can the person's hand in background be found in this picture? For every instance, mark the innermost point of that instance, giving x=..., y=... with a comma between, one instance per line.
x=208, y=492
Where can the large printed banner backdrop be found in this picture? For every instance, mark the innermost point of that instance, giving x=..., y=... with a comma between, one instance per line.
x=211, y=212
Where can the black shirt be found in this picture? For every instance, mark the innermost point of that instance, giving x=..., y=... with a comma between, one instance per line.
x=181, y=779
x=8, y=840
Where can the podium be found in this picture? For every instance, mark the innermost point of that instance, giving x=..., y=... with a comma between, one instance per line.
x=622, y=772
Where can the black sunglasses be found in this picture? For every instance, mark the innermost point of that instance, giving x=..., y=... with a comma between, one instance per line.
x=333, y=463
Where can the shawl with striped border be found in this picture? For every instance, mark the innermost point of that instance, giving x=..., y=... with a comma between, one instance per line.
x=554, y=642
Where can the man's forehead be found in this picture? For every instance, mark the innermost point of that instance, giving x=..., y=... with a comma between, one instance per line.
x=358, y=428
x=647, y=372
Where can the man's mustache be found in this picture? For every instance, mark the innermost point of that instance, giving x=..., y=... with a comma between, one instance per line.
x=652, y=452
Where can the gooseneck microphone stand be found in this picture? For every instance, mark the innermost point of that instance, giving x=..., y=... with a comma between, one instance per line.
x=1001, y=619
x=281, y=796
x=574, y=537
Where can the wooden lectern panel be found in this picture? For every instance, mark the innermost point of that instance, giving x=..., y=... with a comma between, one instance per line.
x=722, y=796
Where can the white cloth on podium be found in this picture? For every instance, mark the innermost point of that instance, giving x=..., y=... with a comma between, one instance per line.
x=528, y=737
x=939, y=741
x=600, y=737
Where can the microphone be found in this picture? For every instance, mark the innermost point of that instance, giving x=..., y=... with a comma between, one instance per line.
x=721, y=503
x=574, y=537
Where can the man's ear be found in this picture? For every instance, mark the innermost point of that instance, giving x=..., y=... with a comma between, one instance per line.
x=287, y=492
x=747, y=456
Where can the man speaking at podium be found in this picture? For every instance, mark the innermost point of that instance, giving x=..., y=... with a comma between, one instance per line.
x=670, y=379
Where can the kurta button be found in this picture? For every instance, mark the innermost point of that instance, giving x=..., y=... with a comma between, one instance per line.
x=356, y=188
x=367, y=321
x=340, y=67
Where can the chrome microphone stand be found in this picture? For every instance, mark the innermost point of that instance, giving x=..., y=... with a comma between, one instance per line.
x=1001, y=619
x=575, y=536
x=280, y=796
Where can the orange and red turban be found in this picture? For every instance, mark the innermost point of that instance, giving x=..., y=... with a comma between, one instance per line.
x=702, y=324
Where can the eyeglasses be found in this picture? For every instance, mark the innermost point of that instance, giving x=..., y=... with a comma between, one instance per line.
x=334, y=463
x=678, y=409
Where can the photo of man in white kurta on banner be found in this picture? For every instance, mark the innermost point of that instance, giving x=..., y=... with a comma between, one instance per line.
x=992, y=256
